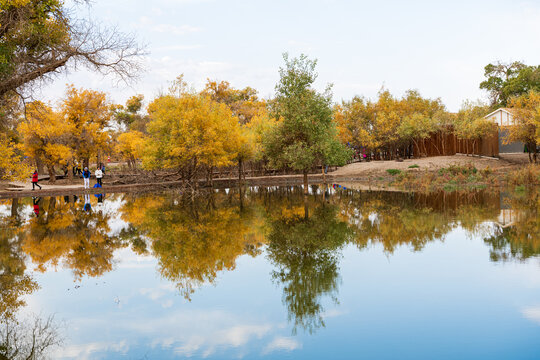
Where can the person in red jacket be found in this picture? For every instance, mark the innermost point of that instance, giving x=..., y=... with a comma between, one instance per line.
x=35, y=181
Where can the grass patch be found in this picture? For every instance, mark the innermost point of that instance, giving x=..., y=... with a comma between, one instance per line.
x=414, y=166
x=393, y=172
x=526, y=176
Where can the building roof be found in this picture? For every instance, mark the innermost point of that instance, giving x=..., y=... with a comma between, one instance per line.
x=506, y=110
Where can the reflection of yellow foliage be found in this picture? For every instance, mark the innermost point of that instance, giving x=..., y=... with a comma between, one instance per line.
x=193, y=242
x=64, y=232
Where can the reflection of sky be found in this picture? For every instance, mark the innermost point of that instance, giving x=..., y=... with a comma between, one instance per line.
x=447, y=301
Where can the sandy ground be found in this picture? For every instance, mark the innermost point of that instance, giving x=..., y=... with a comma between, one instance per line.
x=430, y=164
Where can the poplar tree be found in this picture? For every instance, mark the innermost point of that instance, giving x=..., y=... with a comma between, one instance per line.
x=306, y=134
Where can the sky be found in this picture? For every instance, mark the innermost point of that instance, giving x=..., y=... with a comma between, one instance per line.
x=437, y=47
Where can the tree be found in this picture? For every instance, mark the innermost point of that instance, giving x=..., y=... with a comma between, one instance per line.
x=46, y=136
x=130, y=145
x=526, y=128
x=306, y=135
x=129, y=116
x=471, y=125
x=89, y=112
x=244, y=103
x=12, y=164
x=504, y=81
x=39, y=38
x=190, y=132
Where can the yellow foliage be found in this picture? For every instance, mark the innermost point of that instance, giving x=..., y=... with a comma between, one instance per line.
x=190, y=131
x=46, y=135
x=89, y=113
x=526, y=113
x=12, y=166
x=131, y=144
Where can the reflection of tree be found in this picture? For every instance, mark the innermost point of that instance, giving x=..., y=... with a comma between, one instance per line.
x=396, y=219
x=28, y=340
x=521, y=239
x=305, y=250
x=66, y=232
x=193, y=241
x=14, y=283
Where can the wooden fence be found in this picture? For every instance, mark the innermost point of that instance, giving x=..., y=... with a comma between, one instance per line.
x=448, y=144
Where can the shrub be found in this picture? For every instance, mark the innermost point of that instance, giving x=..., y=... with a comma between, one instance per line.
x=526, y=176
x=393, y=172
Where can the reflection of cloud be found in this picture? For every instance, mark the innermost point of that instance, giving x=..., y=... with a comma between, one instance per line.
x=282, y=343
x=87, y=351
x=127, y=259
x=532, y=313
x=332, y=313
x=235, y=336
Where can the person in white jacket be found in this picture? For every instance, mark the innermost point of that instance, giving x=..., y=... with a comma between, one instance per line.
x=99, y=176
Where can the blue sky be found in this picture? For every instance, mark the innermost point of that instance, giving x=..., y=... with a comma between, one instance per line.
x=437, y=47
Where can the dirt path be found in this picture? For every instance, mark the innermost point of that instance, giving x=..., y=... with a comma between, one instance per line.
x=373, y=168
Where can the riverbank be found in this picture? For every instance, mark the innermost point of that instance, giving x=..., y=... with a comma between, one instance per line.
x=425, y=174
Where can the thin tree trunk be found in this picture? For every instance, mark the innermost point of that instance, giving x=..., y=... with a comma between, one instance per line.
x=239, y=171
x=305, y=182
x=70, y=171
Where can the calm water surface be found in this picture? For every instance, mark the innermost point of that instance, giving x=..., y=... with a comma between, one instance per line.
x=265, y=273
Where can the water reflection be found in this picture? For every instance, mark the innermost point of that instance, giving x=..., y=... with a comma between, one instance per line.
x=194, y=240
x=517, y=233
x=305, y=252
x=79, y=237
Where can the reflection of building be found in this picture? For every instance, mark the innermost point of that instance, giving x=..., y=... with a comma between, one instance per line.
x=504, y=118
x=507, y=216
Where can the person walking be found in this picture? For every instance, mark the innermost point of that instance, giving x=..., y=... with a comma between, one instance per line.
x=99, y=176
x=35, y=181
x=86, y=178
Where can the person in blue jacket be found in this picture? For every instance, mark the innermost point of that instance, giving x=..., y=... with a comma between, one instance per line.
x=86, y=178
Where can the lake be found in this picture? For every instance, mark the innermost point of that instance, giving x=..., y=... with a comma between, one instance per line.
x=268, y=273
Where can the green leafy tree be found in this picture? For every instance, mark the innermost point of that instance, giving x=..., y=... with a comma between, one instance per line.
x=504, y=81
x=306, y=135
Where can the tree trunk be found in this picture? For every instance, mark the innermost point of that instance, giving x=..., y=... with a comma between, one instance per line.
x=70, y=172
x=15, y=208
x=239, y=171
x=305, y=182
x=52, y=174
x=306, y=207
x=39, y=165
x=323, y=175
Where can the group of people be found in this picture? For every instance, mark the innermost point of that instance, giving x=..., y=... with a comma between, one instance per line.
x=86, y=174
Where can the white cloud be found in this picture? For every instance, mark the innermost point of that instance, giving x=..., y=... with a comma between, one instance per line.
x=532, y=313
x=283, y=344
x=175, y=29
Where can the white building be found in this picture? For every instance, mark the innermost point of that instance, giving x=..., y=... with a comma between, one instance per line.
x=502, y=116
